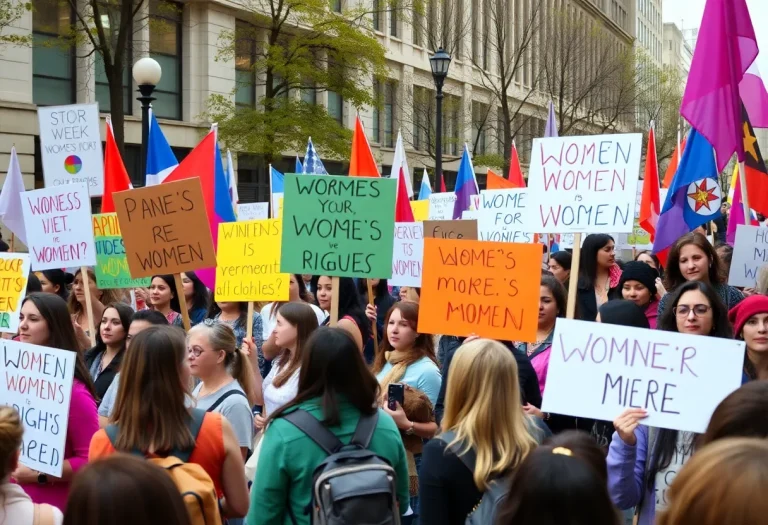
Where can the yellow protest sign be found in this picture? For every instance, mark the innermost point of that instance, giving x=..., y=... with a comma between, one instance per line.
x=14, y=269
x=248, y=262
x=420, y=210
x=279, y=208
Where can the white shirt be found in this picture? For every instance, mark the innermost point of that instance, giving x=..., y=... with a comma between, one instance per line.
x=268, y=321
x=665, y=477
x=276, y=397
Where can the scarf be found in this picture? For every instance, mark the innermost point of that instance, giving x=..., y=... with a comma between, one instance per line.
x=399, y=362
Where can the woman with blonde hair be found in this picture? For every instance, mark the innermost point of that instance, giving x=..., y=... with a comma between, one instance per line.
x=484, y=426
x=724, y=482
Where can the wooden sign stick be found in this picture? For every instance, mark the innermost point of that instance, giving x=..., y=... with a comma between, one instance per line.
x=182, y=301
x=249, y=321
x=13, y=238
x=370, y=300
x=334, y=301
x=88, y=303
x=573, y=282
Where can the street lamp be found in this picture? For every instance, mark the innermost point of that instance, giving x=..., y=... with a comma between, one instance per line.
x=439, y=62
x=146, y=73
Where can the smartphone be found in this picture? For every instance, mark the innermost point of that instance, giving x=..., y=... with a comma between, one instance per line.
x=395, y=394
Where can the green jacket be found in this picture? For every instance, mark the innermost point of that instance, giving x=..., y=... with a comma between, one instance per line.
x=289, y=457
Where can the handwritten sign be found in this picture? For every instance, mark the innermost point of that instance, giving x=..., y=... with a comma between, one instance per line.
x=750, y=252
x=165, y=228
x=460, y=229
x=248, y=260
x=58, y=224
x=475, y=287
x=71, y=146
x=583, y=184
x=408, y=254
x=599, y=370
x=340, y=226
x=14, y=272
x=252, y=210
x=111, y=263
x=420, y=210
x=441, y=206
x=37, y=382
x=277, y=205
x=501, y=214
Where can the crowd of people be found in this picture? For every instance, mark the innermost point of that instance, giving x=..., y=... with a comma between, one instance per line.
x=457, y=422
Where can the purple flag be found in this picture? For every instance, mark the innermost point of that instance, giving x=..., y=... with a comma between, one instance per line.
x=466, y=185
x=550, y=130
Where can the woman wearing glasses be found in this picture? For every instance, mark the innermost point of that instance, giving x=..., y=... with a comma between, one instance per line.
x=643, y=461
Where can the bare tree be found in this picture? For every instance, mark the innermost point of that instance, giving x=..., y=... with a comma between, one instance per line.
x=441, y=24
x=660, y=102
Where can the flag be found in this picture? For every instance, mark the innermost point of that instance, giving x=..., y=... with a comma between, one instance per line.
x=232, y=182
x=10, y=199
x=277, y=181
x=115, y=176
x=755, y=171
x=497, y=182
x=754, y=97
x=361, y=162
x=160, y=158
x=299, y=167
x=466, y=185
x=673, y=162
x=711, y=99
x=442, y=184
x=550, y=130
x=426, y=188
x=515, y=173
x=401, y=161
x=403, y=210
x=694, y=196
x=736, y=216
x=650, y=205
x=312, y=163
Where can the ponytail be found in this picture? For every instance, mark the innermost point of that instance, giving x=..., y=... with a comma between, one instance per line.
x=11, y=433
x=242, y=371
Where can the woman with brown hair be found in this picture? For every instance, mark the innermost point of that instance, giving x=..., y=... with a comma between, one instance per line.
x=744, y=413
x=77, y=304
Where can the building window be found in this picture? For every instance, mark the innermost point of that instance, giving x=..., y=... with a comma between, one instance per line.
x=308, y=94
x=376, y=113
x=53, y=68
x=336, y=5
x=376, y=15
x=479, y=126
x=424, y=107
x=252, y=179
x=393, y=30
x=418, y=25
x=245, y=56
x=165, y=47
x=390, y=90
x=110, y=20
x=336, y=106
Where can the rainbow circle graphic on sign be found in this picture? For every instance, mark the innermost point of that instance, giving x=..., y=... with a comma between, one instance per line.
x=73, y=164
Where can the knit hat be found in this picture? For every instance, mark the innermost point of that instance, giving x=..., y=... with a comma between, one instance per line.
x=623, y=313
x=740, y=314
x=640, y=272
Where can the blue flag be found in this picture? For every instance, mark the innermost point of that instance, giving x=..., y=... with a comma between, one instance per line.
x=160, y=158
x=299, y=167
x=278, y=181
x=312, y=163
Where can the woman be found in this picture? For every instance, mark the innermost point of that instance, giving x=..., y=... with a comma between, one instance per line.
x=723, y=483
x=382, y=299
x=750, y=324
x=162, y=298
x=56, y=281
x=743, y=413
x=228, y=384
x=33, y=284
x=599, y=275
x=725, y=254
x=104, y=359
x=642, y=460
x=77, y=304
x=196, y=296
x=651, y=259
x=692, y=258
x=105, y=493
x=45, y=321
x=483, y=426
x=156, y=369
x=560, y=266
x=638, y=284
x=16, y=507
x=352, y=316
x=235, y=316
x=335, y=387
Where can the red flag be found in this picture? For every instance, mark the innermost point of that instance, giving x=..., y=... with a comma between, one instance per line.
x=650, y=205
x=115, y=176
x=497, y=182
x=754, y=168
x=403, y=211
x=442, y=184
x=672, y=167
x=515, y=173
x=200, y=163
x=361, y=163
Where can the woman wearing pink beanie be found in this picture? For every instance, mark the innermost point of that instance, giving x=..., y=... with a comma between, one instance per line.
x=750, y=324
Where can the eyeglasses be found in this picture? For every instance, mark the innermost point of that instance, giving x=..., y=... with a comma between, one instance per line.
x=195, y=351
x=699, y=310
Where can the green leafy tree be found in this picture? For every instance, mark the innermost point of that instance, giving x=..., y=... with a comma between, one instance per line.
x=10, y=12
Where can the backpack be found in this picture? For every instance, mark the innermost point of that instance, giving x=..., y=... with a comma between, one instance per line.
x=353, y=485
x=486, y=512
x=194, y=483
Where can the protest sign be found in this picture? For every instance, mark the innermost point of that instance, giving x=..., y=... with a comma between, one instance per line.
x=58, y=224
x=111, y=263
x=338, y=226
x=277, y=205
x=252, y=210
x=37, y=382
x=470, y=215
x=750, y=252
x=441, y=206
x=420, y=210
x=408, y=254
x=476, y=287
x=14, y=272
x=70, y=144
x=501, y=216
x=248, y=262
x=599, y=370
x=460, y=229
x=583, y=184
x=165, y=228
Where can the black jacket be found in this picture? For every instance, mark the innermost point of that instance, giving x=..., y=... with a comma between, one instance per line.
x=586, y=302
x=107, y=375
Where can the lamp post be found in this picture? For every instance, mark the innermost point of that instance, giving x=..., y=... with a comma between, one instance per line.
x=439, y=62
x=146, y=73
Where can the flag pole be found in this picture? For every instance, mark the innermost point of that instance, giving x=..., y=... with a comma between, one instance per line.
x=573, y=281
x=271, y=200
x=744, y=194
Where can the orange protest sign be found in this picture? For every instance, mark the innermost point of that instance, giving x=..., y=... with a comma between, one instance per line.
x=497, y=182
x=478, y=287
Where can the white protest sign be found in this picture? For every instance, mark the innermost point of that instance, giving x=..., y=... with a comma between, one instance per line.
x=408, y=254
x=59, y=227
x=598, y=370
x=501, y=216
x=583, y=184
x=71, y=146
x=277, y=208
x=441, y=206
x=14, y=272
x=252, y=210
x=470, y=215
x=37, y=382
x=750, y=252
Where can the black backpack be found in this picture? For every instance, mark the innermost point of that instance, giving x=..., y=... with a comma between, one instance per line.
x=352, y=486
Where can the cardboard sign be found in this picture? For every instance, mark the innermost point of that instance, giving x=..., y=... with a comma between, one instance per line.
x=339, y=226
x=14, y=272
x=58, y=224
x=420, y=210
x=248, y=260
x=583, y=184
x=441, y=206
x=475, y=287
x=463, y=229
x=252, y=211
x=165, y=228
x=750, y=252
x=71, y=146
x=111, y=263
x=37, y=382
x=408, y=254
x=501, y=215
x=599, y=370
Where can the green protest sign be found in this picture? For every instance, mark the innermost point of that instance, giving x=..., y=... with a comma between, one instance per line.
x=111, y=264
x=339, y=226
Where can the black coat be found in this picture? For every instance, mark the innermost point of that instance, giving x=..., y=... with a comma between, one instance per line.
x=586, y=302
x=107, y=375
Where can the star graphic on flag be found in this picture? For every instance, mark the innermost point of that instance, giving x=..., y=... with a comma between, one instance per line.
x=703, y=195
x=749, y=142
